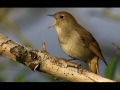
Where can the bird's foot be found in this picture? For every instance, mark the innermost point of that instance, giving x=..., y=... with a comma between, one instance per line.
x=80, y=69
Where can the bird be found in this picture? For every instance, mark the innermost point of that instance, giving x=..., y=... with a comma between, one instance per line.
x=76, y=41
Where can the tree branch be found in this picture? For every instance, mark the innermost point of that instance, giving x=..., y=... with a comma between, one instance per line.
x=43, y=62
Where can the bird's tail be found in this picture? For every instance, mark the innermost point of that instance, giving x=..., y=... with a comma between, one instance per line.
x=93, y=65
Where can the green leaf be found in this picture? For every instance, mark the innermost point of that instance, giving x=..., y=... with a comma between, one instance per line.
x=110, y=70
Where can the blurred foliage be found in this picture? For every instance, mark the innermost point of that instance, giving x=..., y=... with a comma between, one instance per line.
x=118, y=77
x=2, y=72
x=107, y=12
x=113, y=63
x=22, y=75
x=12, y=27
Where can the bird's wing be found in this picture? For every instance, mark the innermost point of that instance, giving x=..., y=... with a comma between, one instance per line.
x=90, y=41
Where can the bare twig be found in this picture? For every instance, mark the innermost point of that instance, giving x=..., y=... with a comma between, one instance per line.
x=43, y=62
x=115, y=46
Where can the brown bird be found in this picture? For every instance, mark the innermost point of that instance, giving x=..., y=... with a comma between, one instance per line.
x=76, y=41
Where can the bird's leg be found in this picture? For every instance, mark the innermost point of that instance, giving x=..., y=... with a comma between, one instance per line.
x=70, y=64
x=79, y=67
x=72, y=59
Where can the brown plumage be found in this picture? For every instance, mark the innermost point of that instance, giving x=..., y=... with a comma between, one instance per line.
x=76, y=41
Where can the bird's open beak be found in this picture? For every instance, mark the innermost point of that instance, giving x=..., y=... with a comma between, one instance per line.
x=51, y=15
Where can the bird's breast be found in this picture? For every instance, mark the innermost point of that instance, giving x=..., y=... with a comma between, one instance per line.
x=75, y=47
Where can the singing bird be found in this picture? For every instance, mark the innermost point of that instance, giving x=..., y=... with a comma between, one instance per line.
x=76, y=41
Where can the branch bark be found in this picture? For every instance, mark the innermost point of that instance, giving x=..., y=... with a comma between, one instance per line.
x=43, y=62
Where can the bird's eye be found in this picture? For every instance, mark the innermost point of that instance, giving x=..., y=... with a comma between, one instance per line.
x=61, y=16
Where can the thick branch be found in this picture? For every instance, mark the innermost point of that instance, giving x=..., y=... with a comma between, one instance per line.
x=43, y=62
